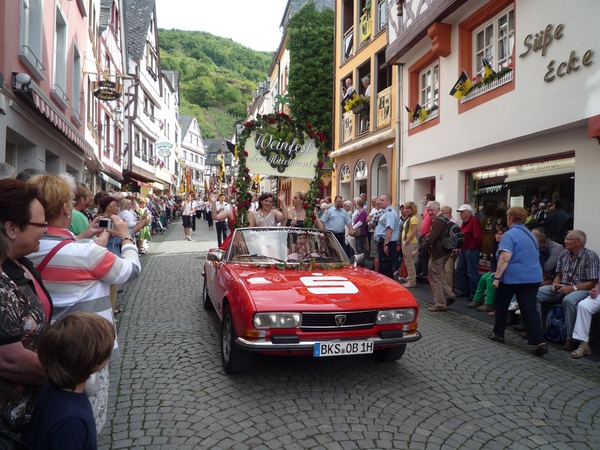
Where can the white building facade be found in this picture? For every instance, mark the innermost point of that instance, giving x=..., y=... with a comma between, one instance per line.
x=529, y=136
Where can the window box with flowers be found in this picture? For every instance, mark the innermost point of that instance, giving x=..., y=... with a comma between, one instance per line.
x=357, y=104
x=494, y=81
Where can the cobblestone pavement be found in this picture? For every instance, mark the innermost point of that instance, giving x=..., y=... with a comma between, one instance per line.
x=454, y=389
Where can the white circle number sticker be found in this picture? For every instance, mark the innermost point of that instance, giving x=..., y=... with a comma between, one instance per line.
x=329, y=285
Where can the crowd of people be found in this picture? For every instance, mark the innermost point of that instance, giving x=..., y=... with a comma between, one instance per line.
x=65, y=251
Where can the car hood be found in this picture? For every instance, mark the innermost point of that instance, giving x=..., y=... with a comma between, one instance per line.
x=348, y=289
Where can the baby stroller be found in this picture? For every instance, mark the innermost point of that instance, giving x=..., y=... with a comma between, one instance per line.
x=157, y=226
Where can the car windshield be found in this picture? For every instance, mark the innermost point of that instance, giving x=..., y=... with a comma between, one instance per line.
x=284, y=245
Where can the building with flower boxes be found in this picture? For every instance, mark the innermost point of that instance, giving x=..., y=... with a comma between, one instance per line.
x=522, y=126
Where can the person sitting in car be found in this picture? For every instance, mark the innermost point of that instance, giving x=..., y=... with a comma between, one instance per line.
x=304, y=248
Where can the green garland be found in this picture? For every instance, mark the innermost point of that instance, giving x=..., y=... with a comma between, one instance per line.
x=286, y=128
x=313, y=265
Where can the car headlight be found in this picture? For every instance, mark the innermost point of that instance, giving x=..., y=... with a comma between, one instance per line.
x=277, y=320
x=395, y=316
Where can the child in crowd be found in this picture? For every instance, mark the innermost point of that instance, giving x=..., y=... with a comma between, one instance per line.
x=70, y=350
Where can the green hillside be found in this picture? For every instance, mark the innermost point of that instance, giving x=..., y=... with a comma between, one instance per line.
x=217, y=77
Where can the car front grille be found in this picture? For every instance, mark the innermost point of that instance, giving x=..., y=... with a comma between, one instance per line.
x=355, y=320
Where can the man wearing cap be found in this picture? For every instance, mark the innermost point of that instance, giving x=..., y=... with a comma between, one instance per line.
x=467, y=269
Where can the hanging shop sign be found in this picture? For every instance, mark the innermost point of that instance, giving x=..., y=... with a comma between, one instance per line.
x=107, y=90
x=163, y=149
x=543, y=40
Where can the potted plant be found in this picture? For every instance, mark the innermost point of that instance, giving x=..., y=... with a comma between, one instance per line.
x=357, y=104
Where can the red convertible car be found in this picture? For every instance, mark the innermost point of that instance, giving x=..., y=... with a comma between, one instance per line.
x=291, y=291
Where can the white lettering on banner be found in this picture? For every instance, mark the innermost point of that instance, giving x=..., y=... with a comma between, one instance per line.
x=329, y=285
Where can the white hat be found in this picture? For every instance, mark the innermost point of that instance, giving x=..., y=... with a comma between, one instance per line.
x=465, y=207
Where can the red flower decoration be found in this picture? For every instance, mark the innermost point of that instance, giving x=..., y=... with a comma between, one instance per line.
x=246, y=170
x=320, y=164
x=289, y=120
x=233, y=189
x=245, y=153
x=272, y=120
x=247, y=177
x=309, y=126
x=313, y=217
x=305, y=205
x=246, y=203
x=264, y=117
x=311, y=133
x=321, y=187
x=315, y=201
x=323, y=138
x=248, y=124
x=280, y=114
x=325, y=154
x=240, y=205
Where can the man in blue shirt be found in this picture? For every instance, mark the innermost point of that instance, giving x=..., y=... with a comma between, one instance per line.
x=335, y=219
x=386, y=235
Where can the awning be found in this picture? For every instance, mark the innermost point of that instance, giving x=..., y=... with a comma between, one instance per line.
x=61, y=122
x=550, y=168
x=110, y=180
x=141, y=183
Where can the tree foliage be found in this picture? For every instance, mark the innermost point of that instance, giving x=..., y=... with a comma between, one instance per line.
x=311, y=76
x=216, y=77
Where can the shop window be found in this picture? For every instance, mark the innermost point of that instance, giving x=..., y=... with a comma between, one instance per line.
x=345, y=174
x=489, y=33
x=32, y=28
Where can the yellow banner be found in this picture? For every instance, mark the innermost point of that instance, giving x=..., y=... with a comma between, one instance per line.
x=365, y=27
x=384, y=107
x=268, y=154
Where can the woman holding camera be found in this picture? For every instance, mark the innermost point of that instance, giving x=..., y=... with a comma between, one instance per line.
x=518, y=273
x=78, y=272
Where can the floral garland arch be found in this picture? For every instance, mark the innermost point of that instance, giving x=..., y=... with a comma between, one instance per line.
x=286, y=127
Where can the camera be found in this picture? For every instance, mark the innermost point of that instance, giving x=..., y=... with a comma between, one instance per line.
x=105, y=223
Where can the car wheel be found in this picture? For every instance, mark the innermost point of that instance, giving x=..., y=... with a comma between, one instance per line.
x=235, y=359
x=390, y=354
x=206, y=302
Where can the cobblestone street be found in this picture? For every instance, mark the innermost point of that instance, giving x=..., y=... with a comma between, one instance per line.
x=453, y=389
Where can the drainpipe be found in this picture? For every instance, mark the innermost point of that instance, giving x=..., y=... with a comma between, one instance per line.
x=398, y=160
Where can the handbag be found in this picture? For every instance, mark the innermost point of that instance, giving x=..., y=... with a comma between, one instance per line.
x=356, y=232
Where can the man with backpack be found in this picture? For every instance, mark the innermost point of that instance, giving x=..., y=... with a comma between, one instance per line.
x=442, y=292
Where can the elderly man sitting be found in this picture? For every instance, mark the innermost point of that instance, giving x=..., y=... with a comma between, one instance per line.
x=576, y=274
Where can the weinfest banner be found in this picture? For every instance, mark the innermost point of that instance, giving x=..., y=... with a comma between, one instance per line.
x=274, y=144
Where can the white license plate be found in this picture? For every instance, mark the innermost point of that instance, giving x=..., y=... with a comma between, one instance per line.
x=342, y=348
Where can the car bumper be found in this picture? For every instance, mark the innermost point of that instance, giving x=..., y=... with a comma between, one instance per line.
x=268, y=346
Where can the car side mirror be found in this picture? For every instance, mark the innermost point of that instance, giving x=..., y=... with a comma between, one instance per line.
x=215, y=255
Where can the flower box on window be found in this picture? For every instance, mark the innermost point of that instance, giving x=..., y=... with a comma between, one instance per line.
x=360, y=107
x=501, y=78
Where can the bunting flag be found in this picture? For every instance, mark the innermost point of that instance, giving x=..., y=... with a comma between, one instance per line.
x=420, y=113
x=462, y=86
x=410, y=113
x=487, y=68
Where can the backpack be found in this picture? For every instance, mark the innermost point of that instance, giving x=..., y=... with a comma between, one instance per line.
x=556, y=330
x=453, y=238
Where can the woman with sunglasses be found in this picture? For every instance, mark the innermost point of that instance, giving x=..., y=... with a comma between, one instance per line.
x=25, y=304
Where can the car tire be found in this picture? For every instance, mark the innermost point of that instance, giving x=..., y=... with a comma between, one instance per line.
x=235, y=360
x=206, y=302
x=390, y=354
